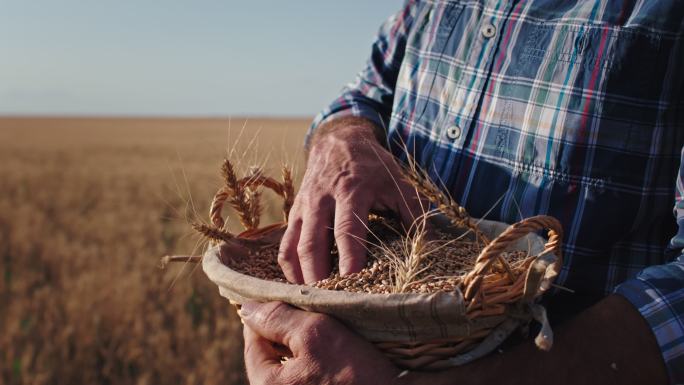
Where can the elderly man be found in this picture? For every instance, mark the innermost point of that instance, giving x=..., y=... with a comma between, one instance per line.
x=573, y=109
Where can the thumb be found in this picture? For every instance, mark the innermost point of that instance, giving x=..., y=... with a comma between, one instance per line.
x=278, y=322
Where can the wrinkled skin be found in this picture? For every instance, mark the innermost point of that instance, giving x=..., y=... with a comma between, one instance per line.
x=348, y=174
x=322, y=350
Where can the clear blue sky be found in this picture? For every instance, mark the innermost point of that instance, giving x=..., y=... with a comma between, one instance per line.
x=172, y=57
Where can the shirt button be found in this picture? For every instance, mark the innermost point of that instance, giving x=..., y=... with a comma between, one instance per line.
x=488, y=31
x=454, y=132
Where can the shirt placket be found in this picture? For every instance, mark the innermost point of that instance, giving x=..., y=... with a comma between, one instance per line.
x=468, y=101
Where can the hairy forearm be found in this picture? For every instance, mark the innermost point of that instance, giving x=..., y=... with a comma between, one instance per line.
x=347, y=128
x=609, y=343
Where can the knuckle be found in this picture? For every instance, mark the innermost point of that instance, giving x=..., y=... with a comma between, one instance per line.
x=306, y=249
x=288, y=246
x=318, y=338
x=346, y=184
x=286, y=252
x=303, y=195
x=289, y=267
x=270, y=312
x=313, y=194
x=320, y=201
x=296, y=207
x=315, y=326
x=285, y=258
x=275, y=378
x=294, y=377
x=347, y=225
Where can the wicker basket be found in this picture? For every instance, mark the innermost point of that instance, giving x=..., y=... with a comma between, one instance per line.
x=422, y=331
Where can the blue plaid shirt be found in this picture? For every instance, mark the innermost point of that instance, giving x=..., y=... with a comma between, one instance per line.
x=573, y=109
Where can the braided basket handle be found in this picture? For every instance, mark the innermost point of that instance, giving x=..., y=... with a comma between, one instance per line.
x=489, y=254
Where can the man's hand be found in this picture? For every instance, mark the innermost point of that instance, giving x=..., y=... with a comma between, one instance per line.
x=322, y=350
x=348, y=174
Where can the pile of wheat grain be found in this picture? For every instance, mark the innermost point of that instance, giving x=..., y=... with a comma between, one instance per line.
x=442, y=268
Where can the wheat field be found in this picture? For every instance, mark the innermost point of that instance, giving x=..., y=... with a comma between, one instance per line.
x=87, y=208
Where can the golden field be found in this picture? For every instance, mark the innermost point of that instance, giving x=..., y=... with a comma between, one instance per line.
x=87, y=208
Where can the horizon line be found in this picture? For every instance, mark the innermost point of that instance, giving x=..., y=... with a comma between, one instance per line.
x=157, y=116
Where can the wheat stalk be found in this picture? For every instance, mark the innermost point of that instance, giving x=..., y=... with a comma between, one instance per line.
x=166, y=260
x=457, y=214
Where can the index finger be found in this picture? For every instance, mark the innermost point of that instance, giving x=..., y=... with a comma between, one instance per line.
x=351, y=230
x=261, y=358
x=315, y=240
x=287, y=252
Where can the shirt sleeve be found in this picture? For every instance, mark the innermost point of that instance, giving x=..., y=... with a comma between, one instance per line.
x=371, y=94
x=658, y=293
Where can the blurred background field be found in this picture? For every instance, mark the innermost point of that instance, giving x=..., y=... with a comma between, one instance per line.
x=87, y=208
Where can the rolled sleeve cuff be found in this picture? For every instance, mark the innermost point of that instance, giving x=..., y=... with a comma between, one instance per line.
x=344, y=107
x=664, y=312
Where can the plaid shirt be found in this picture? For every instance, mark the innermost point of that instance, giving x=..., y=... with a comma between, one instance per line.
x=573, y=109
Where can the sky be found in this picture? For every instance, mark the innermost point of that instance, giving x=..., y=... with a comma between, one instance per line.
x=182, y=58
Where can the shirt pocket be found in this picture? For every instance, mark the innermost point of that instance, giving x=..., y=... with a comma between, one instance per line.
x=569, y=111
x=570, y=120
x=427, y=59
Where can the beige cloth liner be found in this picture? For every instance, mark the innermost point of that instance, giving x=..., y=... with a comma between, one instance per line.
x=396, y=317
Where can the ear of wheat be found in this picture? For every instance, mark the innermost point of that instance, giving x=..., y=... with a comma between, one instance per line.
x=244, y=196
x=237, y=195
x=456, y=213
x=288, y=191
x=253, y=200
x=407, y=267
x=212, y=233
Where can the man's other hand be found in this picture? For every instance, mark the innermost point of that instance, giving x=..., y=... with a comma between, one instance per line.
x=321, y=350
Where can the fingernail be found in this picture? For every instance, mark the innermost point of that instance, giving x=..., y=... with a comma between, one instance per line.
x=248, y=308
